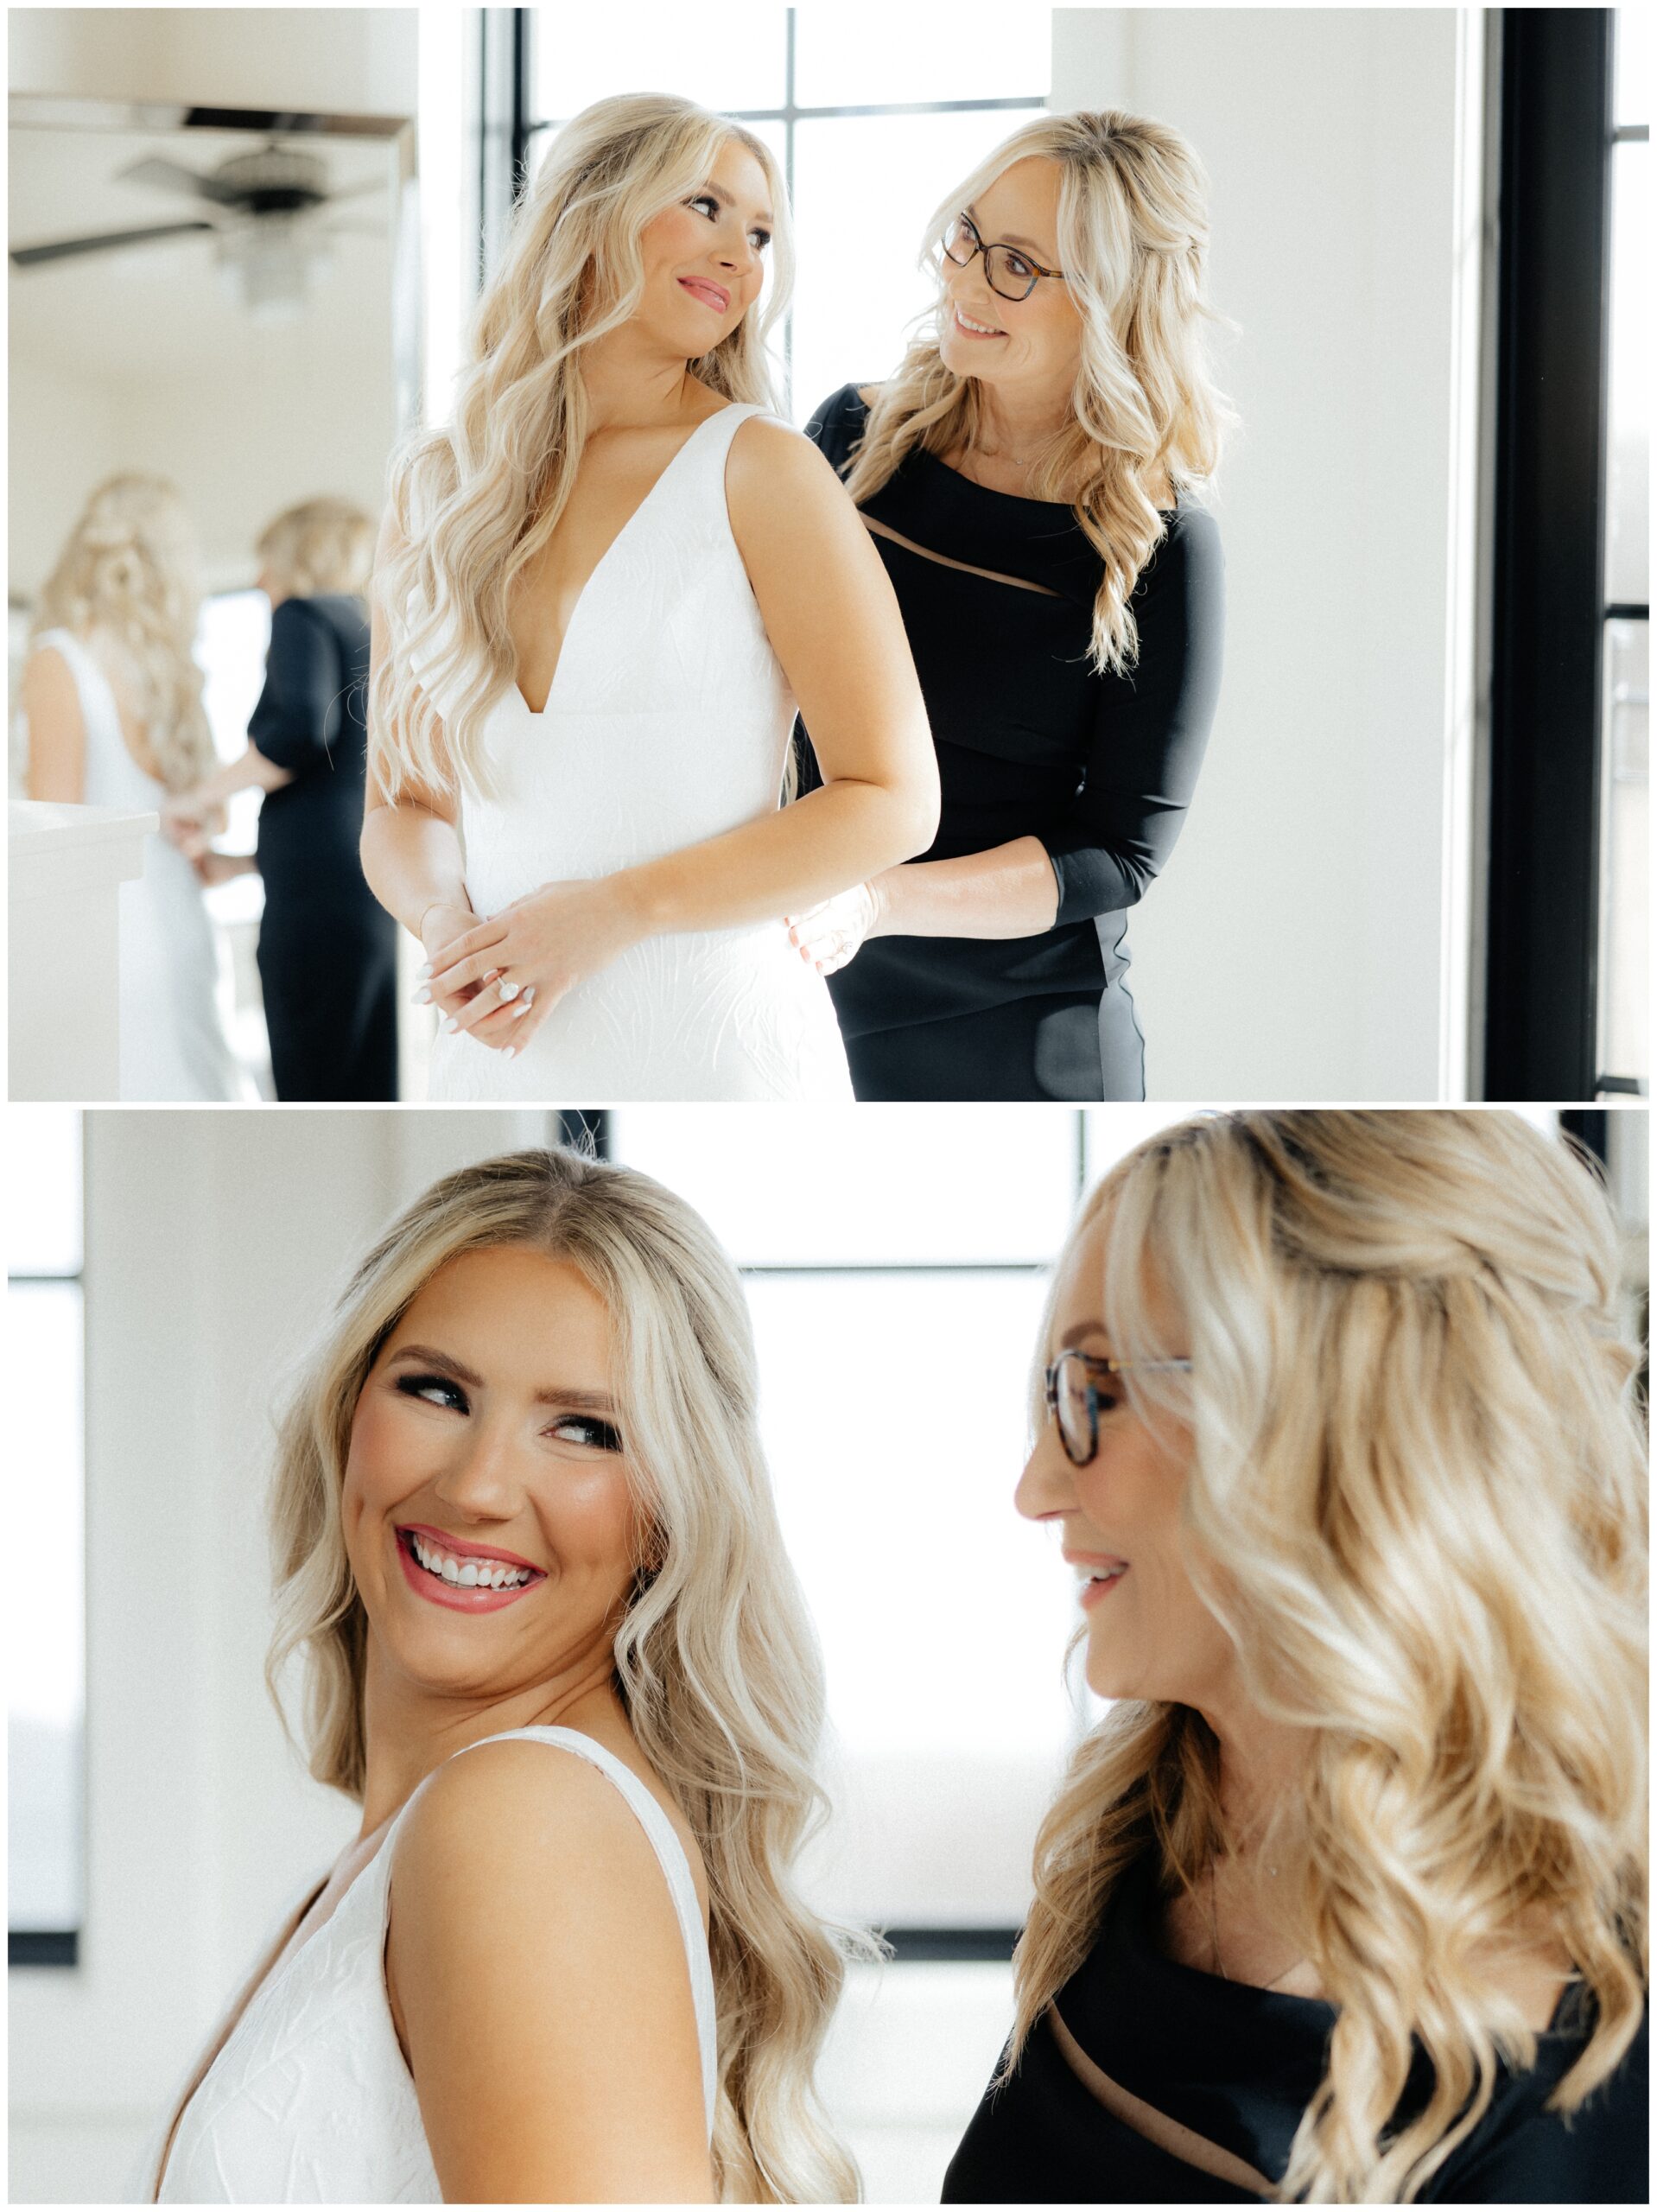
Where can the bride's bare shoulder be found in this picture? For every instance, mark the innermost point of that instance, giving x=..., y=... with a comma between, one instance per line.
x=531, y=1934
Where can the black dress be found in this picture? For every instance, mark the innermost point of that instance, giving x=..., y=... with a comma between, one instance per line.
x=1030, y=742
x=1239, y=2065
x=328, y=947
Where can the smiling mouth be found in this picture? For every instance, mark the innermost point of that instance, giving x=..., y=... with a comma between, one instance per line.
x=710, y=295
x=454, y=1573
x=964, y=322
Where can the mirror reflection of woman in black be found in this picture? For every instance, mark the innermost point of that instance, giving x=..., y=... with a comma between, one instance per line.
x=327, y=949
x=1029, y=475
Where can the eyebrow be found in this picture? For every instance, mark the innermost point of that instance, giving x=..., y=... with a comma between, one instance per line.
x=717, y=192
x=595, y=1402
x=1013, y=238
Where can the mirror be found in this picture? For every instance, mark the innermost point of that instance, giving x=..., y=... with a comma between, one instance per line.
x=226, y=298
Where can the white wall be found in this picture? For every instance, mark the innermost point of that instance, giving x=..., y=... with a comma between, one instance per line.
x=328, y=60
x=1294, y=949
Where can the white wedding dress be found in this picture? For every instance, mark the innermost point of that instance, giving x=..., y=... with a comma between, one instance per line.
x=310, y=2100
x=668, y=722
x=173, y=1045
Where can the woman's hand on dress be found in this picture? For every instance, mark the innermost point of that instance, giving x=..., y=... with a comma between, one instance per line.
x=511, y=970
x=829, y=935
x=183, y=822
x=212, y=867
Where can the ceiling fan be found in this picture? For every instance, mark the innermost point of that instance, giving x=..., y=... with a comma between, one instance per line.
x=263, y=208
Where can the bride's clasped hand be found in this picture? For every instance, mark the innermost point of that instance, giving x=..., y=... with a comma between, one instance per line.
x=497, y=979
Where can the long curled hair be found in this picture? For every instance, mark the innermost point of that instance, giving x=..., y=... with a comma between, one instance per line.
x=715, y=1660
x=1418, y=1453
x=474, y=502
x=127, y=581
x=1132, y=241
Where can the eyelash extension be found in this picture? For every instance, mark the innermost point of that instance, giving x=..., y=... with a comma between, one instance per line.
x=603, y=1438
x=706, y=200
x=415, y=1386
x=601, y=1435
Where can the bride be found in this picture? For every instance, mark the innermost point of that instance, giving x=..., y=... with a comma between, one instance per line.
x=111, y=706
x=600, y=594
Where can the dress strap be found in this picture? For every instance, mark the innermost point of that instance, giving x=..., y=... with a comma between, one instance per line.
x=675, y=1865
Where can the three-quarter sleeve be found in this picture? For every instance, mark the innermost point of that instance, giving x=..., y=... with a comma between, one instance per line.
x=301, y=709
x=1150, y=732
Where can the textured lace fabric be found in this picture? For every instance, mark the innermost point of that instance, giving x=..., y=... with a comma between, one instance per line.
x=310, y=2102
x=668, y=722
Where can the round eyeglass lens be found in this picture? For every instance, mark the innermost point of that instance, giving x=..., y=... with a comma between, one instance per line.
x=959, y=243
x=1075, y=1422
x=1009, y=273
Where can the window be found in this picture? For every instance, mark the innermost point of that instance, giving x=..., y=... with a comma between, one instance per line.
x=1624, y=980
x=45, y=1606
x=872, y=115
x=1565, y=1014
x=232, y=637
x=896, y=1272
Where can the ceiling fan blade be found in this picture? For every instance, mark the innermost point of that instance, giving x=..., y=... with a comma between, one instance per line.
x=359, y=191
x=32, y=257
x=172, y=176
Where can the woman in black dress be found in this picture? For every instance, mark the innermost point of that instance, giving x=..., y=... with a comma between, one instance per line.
x=1344, y=1900
x=327, y=949
x=1029, y=476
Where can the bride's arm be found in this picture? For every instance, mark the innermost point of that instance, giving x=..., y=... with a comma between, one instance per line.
x=57, y=732
x=539, y=1986
x=832, y=621
x=410, y=848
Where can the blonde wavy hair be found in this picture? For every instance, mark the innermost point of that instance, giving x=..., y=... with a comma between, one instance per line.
x=321, y=545
x=1133, y=242
x=1419, y=1454
x=715, y=1660
x=475, y=501
x=127, y=578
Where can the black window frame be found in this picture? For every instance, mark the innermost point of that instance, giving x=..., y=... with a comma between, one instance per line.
x=1548, y=608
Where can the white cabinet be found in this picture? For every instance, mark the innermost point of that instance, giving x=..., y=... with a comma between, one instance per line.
x=67, y=864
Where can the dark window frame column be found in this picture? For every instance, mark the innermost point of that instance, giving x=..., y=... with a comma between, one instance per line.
x=1547, y=582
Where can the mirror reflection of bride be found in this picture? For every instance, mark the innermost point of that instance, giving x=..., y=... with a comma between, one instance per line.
x=111, y=703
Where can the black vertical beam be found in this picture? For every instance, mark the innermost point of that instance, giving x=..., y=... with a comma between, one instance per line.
x=1548, y=582
x=586, y=1128
x=1588, y=1126
x=521, y=32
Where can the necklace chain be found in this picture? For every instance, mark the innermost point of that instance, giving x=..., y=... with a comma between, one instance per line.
x=1214, y=1932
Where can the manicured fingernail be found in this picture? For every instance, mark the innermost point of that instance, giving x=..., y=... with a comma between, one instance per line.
x=511, y=1053
x=511, y=990
x=453, y=1023
x=528, y=998
x=421, y=974
x=423, y=997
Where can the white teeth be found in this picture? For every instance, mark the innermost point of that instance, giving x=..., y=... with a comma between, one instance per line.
x=987, y=329
x=490, y=1574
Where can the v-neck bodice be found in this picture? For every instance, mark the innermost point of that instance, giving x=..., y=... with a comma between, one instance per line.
x=638, y=519
x=667, y=724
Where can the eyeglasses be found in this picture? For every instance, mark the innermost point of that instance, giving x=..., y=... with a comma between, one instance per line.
x=1074, y=1398
x=1006, y=271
